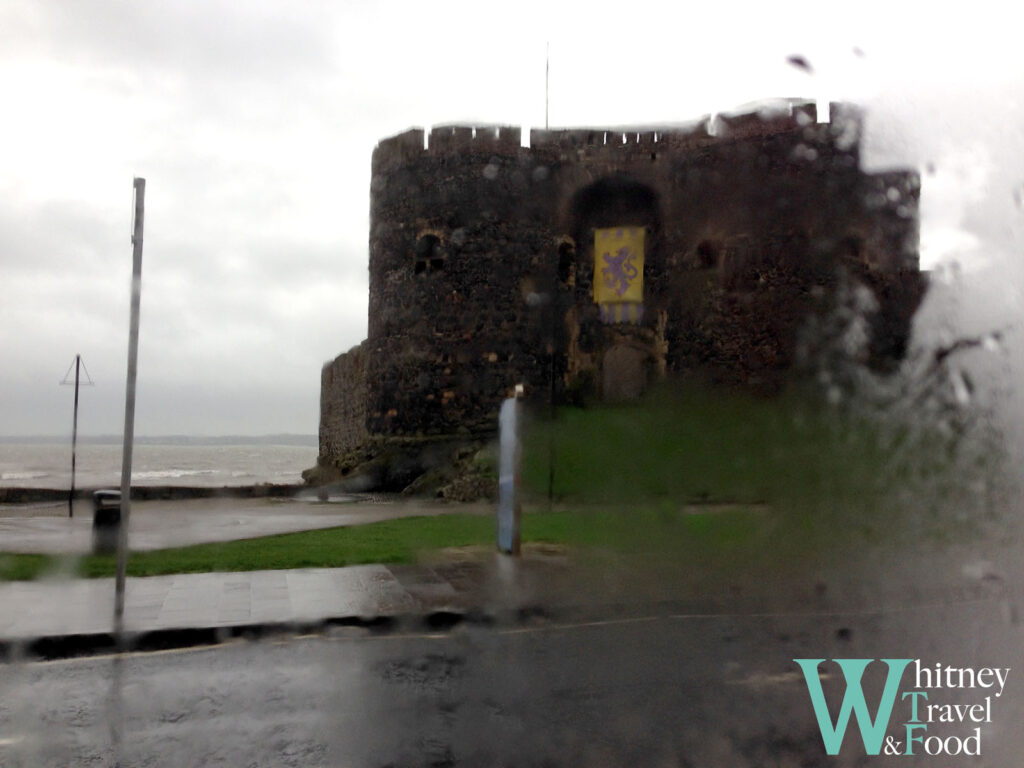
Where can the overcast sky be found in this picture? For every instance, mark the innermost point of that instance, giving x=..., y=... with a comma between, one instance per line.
x=253, y=123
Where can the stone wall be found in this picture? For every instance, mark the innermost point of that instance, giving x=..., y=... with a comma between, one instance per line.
x=343, y=392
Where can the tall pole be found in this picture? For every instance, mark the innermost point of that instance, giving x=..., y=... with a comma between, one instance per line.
x=74, y=439
x=139, y=186
x=78, y=365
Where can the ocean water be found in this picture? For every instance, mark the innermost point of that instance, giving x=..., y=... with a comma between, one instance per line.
x=179, y=463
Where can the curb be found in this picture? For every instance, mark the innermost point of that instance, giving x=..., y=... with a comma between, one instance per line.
x=70, y=646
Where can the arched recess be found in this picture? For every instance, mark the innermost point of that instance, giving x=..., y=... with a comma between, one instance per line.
x=611, y=202
x=615, y=340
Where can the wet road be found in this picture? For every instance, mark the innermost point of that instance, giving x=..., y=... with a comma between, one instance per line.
x=647, y=690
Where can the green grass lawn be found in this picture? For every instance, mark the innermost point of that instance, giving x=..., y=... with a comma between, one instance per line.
x=401, y=541
x=823, y=470
x=699, y=444
x=395, y=541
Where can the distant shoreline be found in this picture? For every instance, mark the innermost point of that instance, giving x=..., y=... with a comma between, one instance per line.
x=157, y=492
x=304, y=441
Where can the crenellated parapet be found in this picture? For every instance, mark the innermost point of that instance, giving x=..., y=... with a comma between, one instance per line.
x=565, y=142
x=441, y=140
x=397, y=150
x=498, y=139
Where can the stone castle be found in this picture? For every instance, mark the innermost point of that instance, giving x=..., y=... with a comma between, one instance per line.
x=595, y=262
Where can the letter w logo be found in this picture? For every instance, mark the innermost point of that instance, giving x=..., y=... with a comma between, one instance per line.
x=871, y=732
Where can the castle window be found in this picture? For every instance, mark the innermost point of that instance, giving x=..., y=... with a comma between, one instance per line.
x=429, y=256
x=851, y=248
x=566, y=259
x=707, y=254
x=743, y=261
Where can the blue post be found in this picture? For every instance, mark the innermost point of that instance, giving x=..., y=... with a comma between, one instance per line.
x=509, y=509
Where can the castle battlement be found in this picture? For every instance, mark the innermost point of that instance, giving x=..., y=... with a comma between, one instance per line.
x=799, y=118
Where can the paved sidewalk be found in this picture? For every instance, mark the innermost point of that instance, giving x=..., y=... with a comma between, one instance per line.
x=203, y=600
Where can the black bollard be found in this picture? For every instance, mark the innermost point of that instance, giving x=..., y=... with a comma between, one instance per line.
x=106, y=521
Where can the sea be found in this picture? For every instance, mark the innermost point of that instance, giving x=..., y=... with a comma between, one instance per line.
x=207, y=462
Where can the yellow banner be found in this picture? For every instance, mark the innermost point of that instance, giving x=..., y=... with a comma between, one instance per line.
x=619, y=265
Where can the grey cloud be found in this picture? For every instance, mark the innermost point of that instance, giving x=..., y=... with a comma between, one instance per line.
x=212, y=39
x=57, y=234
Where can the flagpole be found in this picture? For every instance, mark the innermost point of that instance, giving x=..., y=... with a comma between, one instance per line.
x=547, y=71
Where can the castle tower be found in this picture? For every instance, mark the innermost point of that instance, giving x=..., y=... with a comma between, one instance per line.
x=595, y=262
